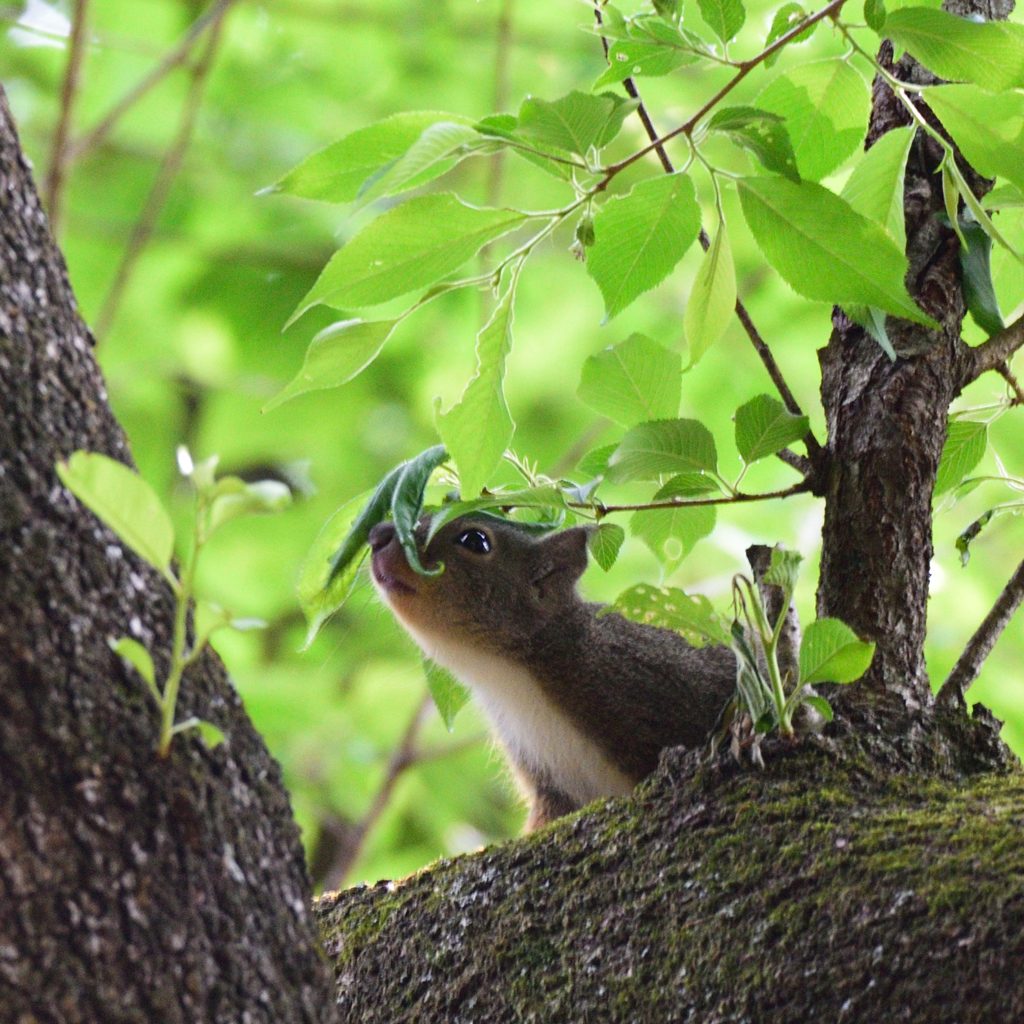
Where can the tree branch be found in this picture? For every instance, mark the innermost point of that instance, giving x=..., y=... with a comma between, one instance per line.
x=60, y=154
x=169, y=168
x=726, y=499
x=978, y=648
x=994, y=353
x=172, y=59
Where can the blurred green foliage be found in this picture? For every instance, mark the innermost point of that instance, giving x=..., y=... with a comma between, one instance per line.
x=197, y=349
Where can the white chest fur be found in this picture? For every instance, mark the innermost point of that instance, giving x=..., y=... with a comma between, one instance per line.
x=538, y=736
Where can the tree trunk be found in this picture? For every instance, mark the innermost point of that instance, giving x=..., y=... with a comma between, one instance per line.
x=131, y=888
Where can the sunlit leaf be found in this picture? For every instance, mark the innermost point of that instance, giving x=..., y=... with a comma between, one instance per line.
x=788, y=16
x=660, y=447
x=604, y=544
x=724, y=17
x=448, y=694
x=712, y=298
x=633, y=381
x=635, y=57
x=765, y=426
x=832, y=653
x=875, y=188
x=124, y=501
x=966, y=444
x=575, y=122
x=963, y=542
x=671, y=533
x=692, y=615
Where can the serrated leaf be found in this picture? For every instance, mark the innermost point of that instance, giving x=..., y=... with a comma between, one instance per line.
x=1007, y=271
x=636, y=380
x=137, y=655
x=336, y=355
x=966, y=444
x=765, y=426
x=629, y=58
x=671, y=533
x=448, y=694
x=825, y=105
x=336, y=173
x=990, y=53
x=724, y=17
x=575, y=122
x=479, y=428
x=407, y=503
x=604, y=544
x=640, y=237
x=788, y=16
x=832, y=653
x=410, y=246
x=546, y=496
x=124, y=501
x=712, y=298
x=595, y=462
x=660, y=447
x=260, y=498
x=761, y=133
x=784, y=569
x=979, y=292
x=875, y=188
x=691, y=615
x=874, y=14
x=687, y=485
x=988, y=129
x=824, y=249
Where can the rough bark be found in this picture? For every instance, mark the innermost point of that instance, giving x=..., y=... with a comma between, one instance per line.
x=131, y=888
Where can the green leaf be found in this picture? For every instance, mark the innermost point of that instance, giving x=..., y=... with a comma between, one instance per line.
x=990, y=53
x=874, y=15
x=765, y=426
x=1004, y=197
x=687, y=485
x=322, y=591
x=335, y=174
x=819, y=704
x=137, y=655
x=784, y=569
x=125, y=502
x=963, y=542
x=875, y=188
x=262, y=497
x=873, y=322
x=787, y=17
x=641, y=237
x=662, y=447
x=691, y=615
x=966, y=444
x=832, y=653
x=410, y=246
x=407, y=503
x=671, y=533
x=479, y=428
x=979, y=292
x=546, y=496
x=712, y=298
x=824, y=249
x=825, y=104
x=1007, y=271
x=724, y=17
x=761, y=133
x=575, y=122
x=636, y=380
x=336, y=355
x=211, y=734
x=604, y=544
x=595, y=462
x=988, y=129
x=448, y=694
x=629, y=58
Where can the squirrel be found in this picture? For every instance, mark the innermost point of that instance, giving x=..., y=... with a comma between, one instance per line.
x=582, y=703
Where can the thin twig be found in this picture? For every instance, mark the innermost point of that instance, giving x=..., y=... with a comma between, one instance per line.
x=978, y=648
x=172, y=59
x=56, y=176
x=726, y=499
x=1006, y=373
x=166, y=174
x=994, y=353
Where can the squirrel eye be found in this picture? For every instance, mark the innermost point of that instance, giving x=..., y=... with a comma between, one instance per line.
x=474, y=540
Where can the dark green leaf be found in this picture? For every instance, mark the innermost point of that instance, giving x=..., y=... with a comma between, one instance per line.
x=764, y=426
x=966, y=444
x=448, y=694
x=691, y=615
x=963, y=542
x=604, y=544
x=660, y=447
x=546, y=496
x=761, y=133
x=979, y=293
x=407, y=503
x=375, y=511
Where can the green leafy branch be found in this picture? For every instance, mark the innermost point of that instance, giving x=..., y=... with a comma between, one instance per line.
x=131, y=508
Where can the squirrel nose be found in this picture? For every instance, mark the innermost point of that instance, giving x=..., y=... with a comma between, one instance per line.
x=381, y=536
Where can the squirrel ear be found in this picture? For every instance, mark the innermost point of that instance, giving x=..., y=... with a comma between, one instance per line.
x=563, y=559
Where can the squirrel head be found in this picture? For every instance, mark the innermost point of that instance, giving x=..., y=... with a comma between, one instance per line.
x=500, y=586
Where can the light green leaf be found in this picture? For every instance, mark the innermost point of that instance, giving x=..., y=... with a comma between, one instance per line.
x=825, y=104
x=633, y=381
x=691, y=615
x=989, y=53
x=787, y=17
x=1007, y=271
x=335, y=174
x=546, y=496
x=448, y=694
x=634, y=57
x=660, y=447
x=137, y=655
x=124, y=501
x=874, y=15
x=966, y=444
x=875, y=188
x=1004, y=197
x=724, y=17
x=479, y=428
x=595, y=463
x=671, y=533
x=260, y=498
x=410, y=246
x=336, y=355
x=641, y=237
x=712, y=299
x=784, y=569
x=762, y=134
x=604, y=544
x=765, y=426
x=819, y=704
x=687, y=485
x=575, y=122
x=824, y=249
x=832, y=653
x=988, y=129
x=407, y=503
x=207, y=618
x=211, y=734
